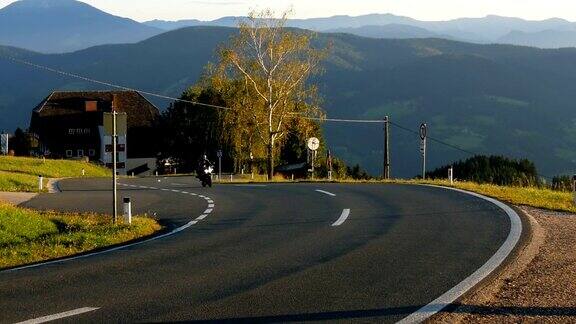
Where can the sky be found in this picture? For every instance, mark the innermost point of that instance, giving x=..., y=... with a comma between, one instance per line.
x=142, y=10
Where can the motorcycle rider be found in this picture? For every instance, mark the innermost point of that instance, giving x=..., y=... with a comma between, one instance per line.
x=203, y=164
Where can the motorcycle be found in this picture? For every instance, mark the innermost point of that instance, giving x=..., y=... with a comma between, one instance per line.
x=206, y=177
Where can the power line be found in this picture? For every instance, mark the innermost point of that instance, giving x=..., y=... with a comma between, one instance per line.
x=121, y=87
x=152, y=94
x=108, y=84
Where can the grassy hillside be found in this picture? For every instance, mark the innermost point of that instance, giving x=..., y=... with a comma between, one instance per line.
x=21, y=174
x=488, y=99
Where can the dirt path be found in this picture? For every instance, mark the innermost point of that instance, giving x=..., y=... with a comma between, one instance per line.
x=539, y=287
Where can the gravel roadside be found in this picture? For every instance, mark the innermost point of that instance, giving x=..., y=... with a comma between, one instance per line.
x=538, y=287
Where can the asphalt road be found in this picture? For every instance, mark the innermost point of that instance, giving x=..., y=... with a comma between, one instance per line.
x=264, y=254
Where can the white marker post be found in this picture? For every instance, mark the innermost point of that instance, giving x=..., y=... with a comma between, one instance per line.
x=451, y=175
x=40, y=183
x=127, y=210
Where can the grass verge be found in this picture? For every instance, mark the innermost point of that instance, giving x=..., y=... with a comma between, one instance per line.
x=28, y=236
x=19, y=182
x=527, y=196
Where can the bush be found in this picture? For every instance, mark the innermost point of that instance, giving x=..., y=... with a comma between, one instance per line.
x=497, y=170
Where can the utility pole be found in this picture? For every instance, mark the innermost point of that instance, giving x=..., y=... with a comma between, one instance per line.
x=114, y=161
x=219, y=154
x=423, y=136
x=386, y=147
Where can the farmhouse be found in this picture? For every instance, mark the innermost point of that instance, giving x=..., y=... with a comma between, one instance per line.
x=70, y=125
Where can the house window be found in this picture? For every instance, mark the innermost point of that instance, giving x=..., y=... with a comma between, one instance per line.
x=91, y=106
x=80, y=153
x=91, y=152
x=69, y=153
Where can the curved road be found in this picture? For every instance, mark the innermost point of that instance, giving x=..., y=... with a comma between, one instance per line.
x=270, y=253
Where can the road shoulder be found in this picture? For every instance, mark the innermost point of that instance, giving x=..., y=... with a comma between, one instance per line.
x=16, y=198
x=536, y=285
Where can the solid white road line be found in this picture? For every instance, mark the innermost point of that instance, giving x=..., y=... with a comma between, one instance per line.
x=326, y=192
x=343, y=217
x=54, y=317
x=495, y=261
x=251, y=185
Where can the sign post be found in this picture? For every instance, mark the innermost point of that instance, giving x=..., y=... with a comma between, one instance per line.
x=329, y=165
x=219, y=154
x=115, y=124
x=423, y=135
x=252, y=165
x=4, y=138
x=574, y=188
x=114, y=165
x=313, y=145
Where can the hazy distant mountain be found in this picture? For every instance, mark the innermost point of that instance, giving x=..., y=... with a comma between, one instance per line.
x=489, y=29
x=493, y=27
x=517, y=101
x=56, y=26
x=172, y=25
x=387, y=31
x=543, y=39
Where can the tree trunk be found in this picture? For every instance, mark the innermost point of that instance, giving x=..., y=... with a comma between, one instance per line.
x=270, y=158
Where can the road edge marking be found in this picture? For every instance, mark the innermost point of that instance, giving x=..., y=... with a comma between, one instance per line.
x=53, y=317
x=343, y=217
x=490, y=266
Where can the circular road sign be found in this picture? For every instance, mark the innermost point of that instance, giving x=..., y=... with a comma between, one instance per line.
x=423, y=131
x=313, y=143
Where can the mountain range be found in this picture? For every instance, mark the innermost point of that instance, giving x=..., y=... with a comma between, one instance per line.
x=491, y=99
x=550, y=33
x=59, y=26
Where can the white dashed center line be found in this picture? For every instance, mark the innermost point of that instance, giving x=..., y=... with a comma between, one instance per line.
x=54, y=317
x=343, y=217
x=326, y=192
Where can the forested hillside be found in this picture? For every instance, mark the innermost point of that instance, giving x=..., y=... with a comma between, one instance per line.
x=489, y=99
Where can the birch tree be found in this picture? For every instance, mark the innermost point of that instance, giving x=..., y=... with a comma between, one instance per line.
x=274, y=65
